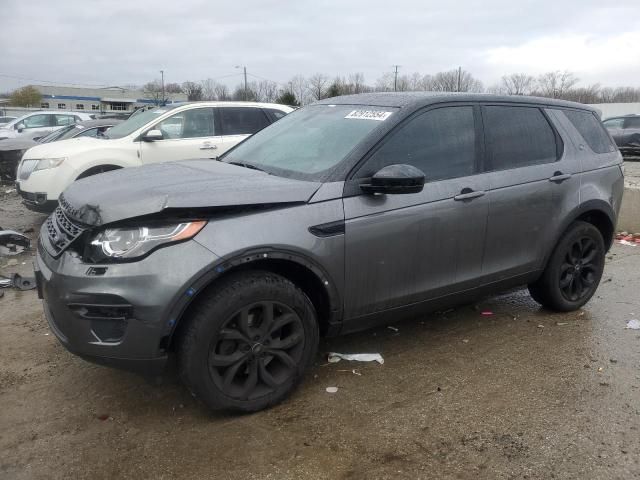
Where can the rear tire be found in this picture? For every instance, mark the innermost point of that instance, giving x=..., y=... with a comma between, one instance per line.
x=248, y=342
x=573, y=271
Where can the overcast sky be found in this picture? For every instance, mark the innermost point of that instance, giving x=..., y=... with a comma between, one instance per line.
x=119, y=42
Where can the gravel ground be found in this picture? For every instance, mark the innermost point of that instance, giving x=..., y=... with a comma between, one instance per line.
x=632, y=173
x=522, y=393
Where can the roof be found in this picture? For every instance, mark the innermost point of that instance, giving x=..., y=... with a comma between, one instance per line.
x=420, y=99
x=99, y=122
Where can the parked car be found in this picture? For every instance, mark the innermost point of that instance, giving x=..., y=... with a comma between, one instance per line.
x=348, y=213
x=39, y=124
x=12, y=150
x=5, y=120
x=176, y=132
x=625, y=131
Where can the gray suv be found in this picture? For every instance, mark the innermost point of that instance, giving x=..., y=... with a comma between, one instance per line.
x=626, y=133
x=345, y=214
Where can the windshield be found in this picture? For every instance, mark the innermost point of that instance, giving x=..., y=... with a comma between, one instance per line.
x=309, y=142
x=134, y=122
x=60, y=134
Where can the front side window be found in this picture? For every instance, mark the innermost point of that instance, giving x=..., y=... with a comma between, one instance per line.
x=441, y=143
x=36, y=121
x=517, y=137
x=242, y=120
x=308, y=143
x=193, y=123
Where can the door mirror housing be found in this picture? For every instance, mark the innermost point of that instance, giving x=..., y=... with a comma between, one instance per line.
x=396, y=179
x=20, y=127
x=153, y=135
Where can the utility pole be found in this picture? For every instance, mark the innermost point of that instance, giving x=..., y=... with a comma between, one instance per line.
x=162, y=74
x=244, y=68
x=459, y=78
x=395, y=78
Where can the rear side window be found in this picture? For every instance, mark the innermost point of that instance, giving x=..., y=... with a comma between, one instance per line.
x=440, y=142
x=632, y=122
x=614, y=123
x=517, y=137
x=276, y=114
x=242, y=120
x=591, y=130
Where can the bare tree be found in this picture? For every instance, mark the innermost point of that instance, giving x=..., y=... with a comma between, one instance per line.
x=193, y=91
x=555, y=84
x=317, y=85
x=385, y=83
x=456, y=81
x=518, y=84
x=356, y=80
x=153, y=91
x=298, y=86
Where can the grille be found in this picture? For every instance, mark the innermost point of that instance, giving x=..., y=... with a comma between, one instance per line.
x=61, y=232
x=26, y=169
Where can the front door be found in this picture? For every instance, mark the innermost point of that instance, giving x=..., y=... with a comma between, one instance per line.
x=187, y=135
x=403, y=249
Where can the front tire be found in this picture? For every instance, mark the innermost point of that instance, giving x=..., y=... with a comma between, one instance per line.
x=248, y=342
x=574, y=269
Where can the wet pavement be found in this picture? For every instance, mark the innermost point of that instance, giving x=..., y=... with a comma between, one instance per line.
x=521, y=393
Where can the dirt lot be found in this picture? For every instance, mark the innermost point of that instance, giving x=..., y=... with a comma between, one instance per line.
x=519, y=394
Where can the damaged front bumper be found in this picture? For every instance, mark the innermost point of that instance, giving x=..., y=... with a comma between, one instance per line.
x=119, y=315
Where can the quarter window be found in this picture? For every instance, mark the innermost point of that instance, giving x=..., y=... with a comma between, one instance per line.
x=516, y=137
x=242, y=120
x=65, y=120
x=276, y=114
x=591, y=130
x=188, y=124
x=440, y=142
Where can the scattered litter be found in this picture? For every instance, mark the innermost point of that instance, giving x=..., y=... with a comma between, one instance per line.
x=486, y=313
x=604, y=384
x=11, y=190
x=581, y=314
x=22, y=283
x=103, y=416
x=393, y=328
x=540, y=326
x=354, y=371
x=562, y=324
x=627, y=242
x=633, y=324
x=465, y=340
x=332, y=389
x=13, y=243
x=613, y=360
x=334, y=357
x=600, y=369
x=5, y=282
x=46, y=334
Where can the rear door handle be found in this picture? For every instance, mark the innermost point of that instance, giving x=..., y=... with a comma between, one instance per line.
x=208, y=146
x=559, y=177
x=468, y=194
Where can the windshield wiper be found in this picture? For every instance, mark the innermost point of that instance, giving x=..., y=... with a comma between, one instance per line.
x=246, y=165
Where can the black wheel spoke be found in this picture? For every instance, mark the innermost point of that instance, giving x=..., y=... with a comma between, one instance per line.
x=566, y=281
x=228, y=334
x=251, y=380
x=281, y=322
x=286, y=343
x=243, y=322
x=267, y=318
x=216, y=360
x=579, y=271
x=265, y=376
x=231, y=373
x=284, y=358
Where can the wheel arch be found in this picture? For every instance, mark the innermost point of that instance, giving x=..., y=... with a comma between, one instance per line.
x=301, y=271
x=101, y=168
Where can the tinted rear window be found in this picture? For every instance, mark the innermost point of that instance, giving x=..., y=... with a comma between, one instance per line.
x=242, y=120
x=632, y=122
x=517, y=137
x=591, y=130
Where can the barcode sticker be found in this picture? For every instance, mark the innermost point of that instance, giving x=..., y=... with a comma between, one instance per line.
x=377, y=115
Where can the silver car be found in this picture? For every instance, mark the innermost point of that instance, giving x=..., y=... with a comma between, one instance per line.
x=626, y=133
x=347, y=213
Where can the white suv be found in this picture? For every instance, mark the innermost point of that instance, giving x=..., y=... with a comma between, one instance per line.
x=38, y=124
x=175, y=132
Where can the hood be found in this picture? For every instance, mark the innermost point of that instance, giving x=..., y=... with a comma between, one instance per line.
x=16, y=144
x=174, y=186
x=64, y=148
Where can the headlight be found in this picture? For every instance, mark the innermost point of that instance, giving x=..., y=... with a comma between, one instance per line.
x=46, y=163
x=135, y=242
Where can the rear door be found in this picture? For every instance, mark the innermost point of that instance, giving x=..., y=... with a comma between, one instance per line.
x=531, y=183
x=187, y=135
x=403, y=249
x=239, y=123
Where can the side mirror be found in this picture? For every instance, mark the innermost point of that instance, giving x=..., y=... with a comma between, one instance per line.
x=395, y=179
x=20, y=127
x=152, y=136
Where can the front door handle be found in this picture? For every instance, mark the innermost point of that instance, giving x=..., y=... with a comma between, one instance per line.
x=559, y=177
x=208, y=146
x=468, y=194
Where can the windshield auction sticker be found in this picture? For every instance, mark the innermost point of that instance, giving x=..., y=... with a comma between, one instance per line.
x=369, y=115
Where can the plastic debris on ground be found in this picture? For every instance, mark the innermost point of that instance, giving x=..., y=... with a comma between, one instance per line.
x=633, y=324
x=18, y=281
x=332, y=389
x=334, y=357
x=486, y=313
x=629, y=239
x=13, y=243
x=393, y=328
